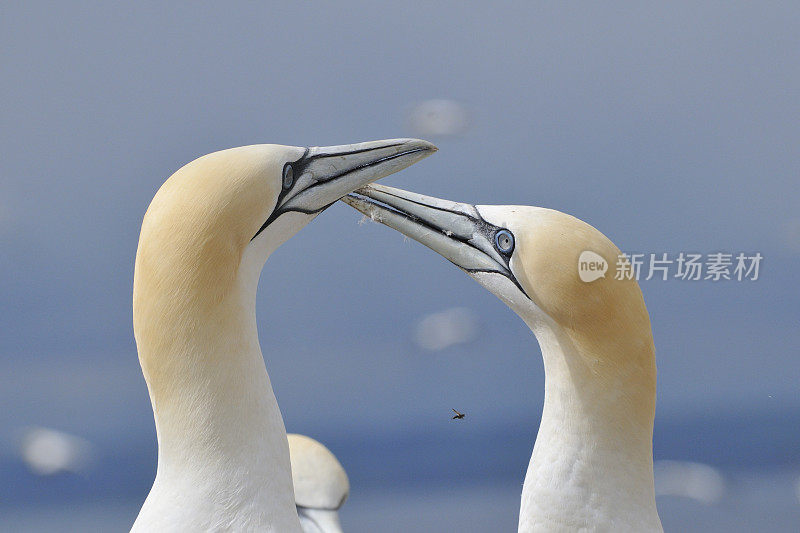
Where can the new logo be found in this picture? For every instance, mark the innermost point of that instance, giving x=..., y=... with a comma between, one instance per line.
x=591, y=266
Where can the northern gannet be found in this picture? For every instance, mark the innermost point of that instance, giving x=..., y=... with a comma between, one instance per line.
x=223, y=457
x=320, y=485
x=592, y=464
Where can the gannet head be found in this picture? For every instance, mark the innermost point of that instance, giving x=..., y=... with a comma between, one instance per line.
x=529, y=258
x=320, y=484
x=218, y=206
x=211, y=226
x=241, y=203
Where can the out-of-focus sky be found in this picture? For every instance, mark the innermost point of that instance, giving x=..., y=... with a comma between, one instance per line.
x=670, y=127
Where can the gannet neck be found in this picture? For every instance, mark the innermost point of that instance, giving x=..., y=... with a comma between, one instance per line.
x=223, y=458
x=592, y=463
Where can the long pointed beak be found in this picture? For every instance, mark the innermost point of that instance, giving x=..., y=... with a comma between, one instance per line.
x=454, y=230
x=325, y=174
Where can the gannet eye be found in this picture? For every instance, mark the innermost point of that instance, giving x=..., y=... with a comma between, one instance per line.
x=504, y=241
x=288, y=176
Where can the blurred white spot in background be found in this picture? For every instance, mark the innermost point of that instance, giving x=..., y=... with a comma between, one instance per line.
x=437, y=118
x=47, y=451
x=792, y=234
x=697, y=481
x=441, y=330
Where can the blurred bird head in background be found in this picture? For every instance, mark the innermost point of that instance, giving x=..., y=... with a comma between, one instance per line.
x=320, y=484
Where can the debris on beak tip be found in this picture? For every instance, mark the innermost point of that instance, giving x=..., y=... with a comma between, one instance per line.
x=373, y=215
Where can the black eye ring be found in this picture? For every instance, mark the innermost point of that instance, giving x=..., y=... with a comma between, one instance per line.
x=504, y=240
x=288, y=176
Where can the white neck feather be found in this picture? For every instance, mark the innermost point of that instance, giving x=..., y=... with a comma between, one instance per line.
x=223, y=457
x=592, y=464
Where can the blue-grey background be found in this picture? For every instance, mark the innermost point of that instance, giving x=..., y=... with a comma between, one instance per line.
x=670, y=127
